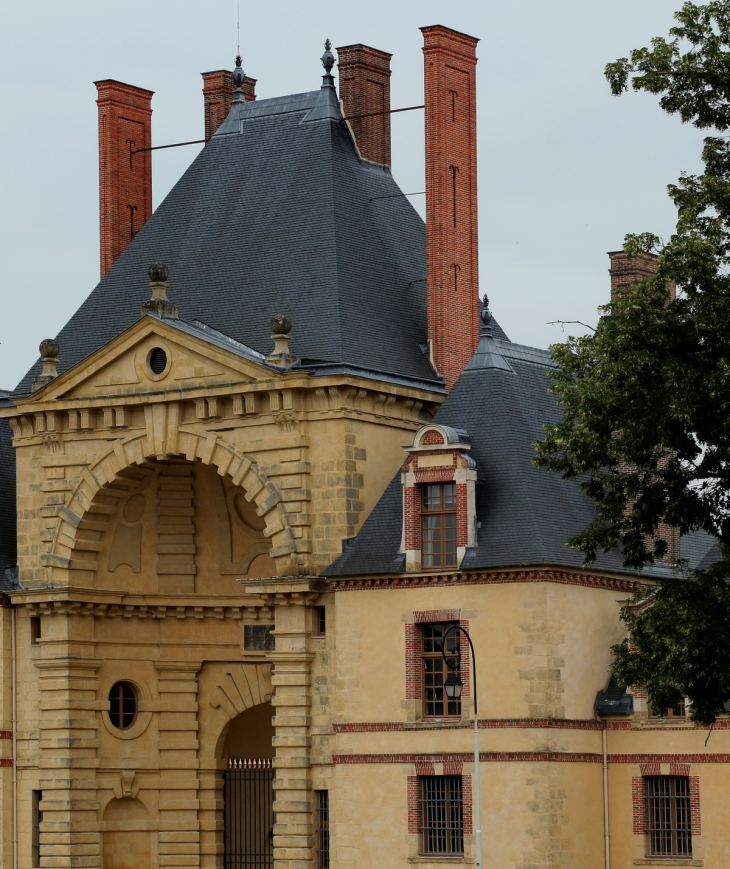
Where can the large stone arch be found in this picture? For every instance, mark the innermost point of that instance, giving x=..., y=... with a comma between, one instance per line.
x=110, y=476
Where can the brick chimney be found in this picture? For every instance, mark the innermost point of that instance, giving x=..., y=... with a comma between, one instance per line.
x=125, y=177
x=451, y=198
x=365, y=88
x=625, y=271
x=218, y=90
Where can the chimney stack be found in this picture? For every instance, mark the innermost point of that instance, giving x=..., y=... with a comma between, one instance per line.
x=218, y=90
x=451, y=198
x=365, y=89
x=125, y=177
x=625, y=271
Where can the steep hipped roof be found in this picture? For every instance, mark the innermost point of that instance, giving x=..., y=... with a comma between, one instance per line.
x=278, y=215
x=526, y=515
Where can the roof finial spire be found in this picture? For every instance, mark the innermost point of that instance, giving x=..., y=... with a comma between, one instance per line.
x=328, y=61
x=238, y=77
x=485, y=316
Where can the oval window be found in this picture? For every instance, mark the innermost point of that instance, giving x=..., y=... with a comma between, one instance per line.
x=158, y=360
x=123, y=705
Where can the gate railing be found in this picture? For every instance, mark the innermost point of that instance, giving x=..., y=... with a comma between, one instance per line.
x=249, y=814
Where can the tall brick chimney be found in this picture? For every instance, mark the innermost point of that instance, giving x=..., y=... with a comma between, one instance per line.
x=364, y=88
x=125, y=177
x=451, y=198
x=625, y=271
x=218, y=90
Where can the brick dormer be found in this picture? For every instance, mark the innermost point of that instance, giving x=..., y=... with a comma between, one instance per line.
x=439, y=503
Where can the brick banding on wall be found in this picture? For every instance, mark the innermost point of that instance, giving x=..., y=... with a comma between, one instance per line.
x=468, y=757
x=483, y=724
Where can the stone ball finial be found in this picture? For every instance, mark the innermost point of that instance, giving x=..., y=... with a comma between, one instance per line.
x=281, y=325
x=49, y=349
x=328, y=59
x=158, y=273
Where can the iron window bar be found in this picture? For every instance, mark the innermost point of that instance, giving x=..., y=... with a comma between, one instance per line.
x=323, y=830
x=442, y=815
x=670, y=819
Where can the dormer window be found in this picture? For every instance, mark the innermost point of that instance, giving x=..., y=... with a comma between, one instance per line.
x=439, y=506
x=438, y=525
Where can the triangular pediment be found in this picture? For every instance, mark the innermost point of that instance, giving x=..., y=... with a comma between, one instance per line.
x=156, y=355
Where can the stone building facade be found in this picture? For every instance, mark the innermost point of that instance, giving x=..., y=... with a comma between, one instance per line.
x=238, y=552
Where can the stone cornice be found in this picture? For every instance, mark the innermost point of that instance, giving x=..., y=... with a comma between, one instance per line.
x=541, y=574
x=286, y=590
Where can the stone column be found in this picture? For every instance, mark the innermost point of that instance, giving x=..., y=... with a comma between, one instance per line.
x=179, y=833
x=70, y=833
x=293, y=808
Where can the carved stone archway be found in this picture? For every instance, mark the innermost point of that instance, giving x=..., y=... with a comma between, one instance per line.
x=125, y=463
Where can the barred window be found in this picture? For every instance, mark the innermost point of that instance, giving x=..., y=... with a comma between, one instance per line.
x=442, y=815
x=435, y=669
x=36, y=821
x=438, y=525
x=670, y=823
x=323, y=829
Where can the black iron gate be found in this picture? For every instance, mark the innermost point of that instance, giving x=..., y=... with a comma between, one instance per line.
x=249, y=814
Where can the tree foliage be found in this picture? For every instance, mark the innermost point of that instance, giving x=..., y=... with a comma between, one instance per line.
x=646, y=398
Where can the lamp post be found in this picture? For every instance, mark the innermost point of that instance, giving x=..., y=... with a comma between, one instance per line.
x=453, y=687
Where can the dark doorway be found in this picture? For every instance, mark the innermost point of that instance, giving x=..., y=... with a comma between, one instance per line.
x=249, y=814
x=248, y=793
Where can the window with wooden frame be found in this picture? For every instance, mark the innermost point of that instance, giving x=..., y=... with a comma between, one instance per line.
x=670, y=818
x=442, y=815
x=123, y=705
x=678, y=711
x=435, y=670
x=323, y=829
x=438, y=525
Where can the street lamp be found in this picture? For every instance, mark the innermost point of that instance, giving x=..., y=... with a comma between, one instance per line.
x=452, y=688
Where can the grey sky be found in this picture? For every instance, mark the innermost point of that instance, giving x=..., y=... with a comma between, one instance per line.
x=565, y=169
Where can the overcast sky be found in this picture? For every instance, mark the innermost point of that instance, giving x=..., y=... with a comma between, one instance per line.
x=565, y=169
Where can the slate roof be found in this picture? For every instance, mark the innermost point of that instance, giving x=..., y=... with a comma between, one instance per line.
x=526, y=514
x=279, y=216
x=8, y=554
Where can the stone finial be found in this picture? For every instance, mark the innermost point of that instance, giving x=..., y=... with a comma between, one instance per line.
x=49, y=351
x=158, y=303
x=280, y=357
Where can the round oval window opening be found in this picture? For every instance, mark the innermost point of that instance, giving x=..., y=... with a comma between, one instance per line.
x=158, y=360
x=123, y=705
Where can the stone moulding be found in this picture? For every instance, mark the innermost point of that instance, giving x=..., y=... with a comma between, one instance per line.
x=564, y=577
x=144, y=611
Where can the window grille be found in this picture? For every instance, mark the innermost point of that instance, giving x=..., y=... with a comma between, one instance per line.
x=435, y=669
x=442, y=815
x=438, y=525
x=323, y=829
x=670, y=822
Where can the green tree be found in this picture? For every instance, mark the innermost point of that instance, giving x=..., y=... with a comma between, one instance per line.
x=646, y=397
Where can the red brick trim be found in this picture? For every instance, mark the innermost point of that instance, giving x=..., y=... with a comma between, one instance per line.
x=413, y=793
x=454, y=767
x=424, y=767
x=468, y=757
x=483, y=724
x=413, y=646
x=668, y=758
x=562, y=577
x=640, y=796
x=6, y=734
x=640, y=800
x=6, y=761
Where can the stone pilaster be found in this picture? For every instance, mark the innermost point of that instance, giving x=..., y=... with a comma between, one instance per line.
x=179, y=836
x=292, y=660
x=69, y=834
